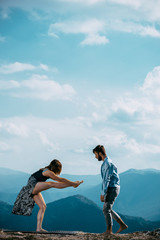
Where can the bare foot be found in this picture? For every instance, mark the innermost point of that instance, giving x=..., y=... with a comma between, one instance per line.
x=41, y=230
x=122, y=227
x=80, y=182
x=107, y=233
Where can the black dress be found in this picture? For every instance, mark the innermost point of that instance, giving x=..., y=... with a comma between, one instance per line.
x=24, y=202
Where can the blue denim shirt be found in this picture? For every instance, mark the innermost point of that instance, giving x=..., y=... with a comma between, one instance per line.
x=110, y=177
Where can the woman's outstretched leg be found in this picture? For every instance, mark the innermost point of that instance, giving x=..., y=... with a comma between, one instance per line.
x=42, y=186
x=42, y=207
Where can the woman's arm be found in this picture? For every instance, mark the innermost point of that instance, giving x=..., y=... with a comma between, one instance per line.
x=54, y=177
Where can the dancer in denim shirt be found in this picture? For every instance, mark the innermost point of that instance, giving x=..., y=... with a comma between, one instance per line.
x=110, y=189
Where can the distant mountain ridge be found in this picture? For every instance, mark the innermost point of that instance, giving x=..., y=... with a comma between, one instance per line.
x=14, y=180
x=7, y=171
x=75, y=213
x=139, y=195
x=133, y=170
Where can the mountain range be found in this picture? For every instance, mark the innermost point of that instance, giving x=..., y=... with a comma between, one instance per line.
x=75, y=213
x=139, y=195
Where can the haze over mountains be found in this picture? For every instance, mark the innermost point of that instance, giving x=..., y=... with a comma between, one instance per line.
x=75, y=213
x=140, y=194
x=139, y=197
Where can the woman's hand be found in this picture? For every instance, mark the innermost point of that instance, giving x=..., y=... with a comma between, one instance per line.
x=77, y=183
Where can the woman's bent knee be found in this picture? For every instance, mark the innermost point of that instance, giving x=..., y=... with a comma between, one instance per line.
x=43, y=207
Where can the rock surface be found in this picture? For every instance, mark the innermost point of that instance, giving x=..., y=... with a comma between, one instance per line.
x=78, y=236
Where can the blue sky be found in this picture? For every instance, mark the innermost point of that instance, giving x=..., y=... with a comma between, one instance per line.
x=75, y=74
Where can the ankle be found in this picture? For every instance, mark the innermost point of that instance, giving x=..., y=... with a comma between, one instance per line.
x=108, y=232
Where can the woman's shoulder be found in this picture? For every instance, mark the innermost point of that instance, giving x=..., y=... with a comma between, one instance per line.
x=45, y=169
x=46, y=172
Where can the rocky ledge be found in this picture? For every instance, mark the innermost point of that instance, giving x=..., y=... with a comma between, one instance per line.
x=11, y=235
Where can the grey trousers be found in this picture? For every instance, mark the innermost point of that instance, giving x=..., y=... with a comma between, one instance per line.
x=112, y=193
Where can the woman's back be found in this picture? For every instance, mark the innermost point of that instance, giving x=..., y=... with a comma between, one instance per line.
x=39, y=176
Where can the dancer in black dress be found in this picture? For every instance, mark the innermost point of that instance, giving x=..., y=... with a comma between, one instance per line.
x=31, y=193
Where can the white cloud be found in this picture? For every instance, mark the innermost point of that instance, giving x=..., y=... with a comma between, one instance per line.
x=130, y=3
x=16, y=129
x=85, y=2
x=143, y=30
x=44, y=67
x=149, y=31
x=2, y=39
x=91, y=28
x=47, y=141
x=86, y=27
x=139, y=17
x=5, y=85
x=152, y=81
x=67, y=139
x=19, y=67
x=131, y=105
x=4, y=147
x=38, y=87
x=128, y=124
x=15, y=67
x=140, y=148
x=39, y=139
x=149, y=10
x=94, y=39
x=144, y=101
x=72, y=140
x=95, y=30
x=143, y=9
x=133, y=27
x=135, y=3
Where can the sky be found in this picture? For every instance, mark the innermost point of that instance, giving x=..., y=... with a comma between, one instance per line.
x=75, y=74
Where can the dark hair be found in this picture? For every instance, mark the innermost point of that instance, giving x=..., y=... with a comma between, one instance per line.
x=99, y=149
x=55, y=166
